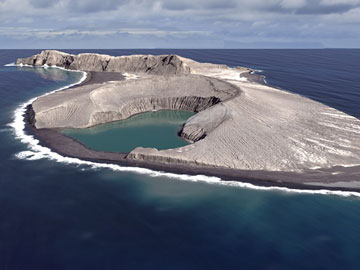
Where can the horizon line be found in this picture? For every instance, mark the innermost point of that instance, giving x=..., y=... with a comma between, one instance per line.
x=280, y=48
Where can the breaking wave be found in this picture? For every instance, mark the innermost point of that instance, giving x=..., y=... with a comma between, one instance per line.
x=10, y=65
x=36, y=151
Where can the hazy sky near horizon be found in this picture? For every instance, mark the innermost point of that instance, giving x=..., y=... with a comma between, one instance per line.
x=179, y=24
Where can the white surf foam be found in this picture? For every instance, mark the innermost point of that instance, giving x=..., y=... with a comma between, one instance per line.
x=36, y=151
x=23, y=65
x=256, y=71
x=4, y=130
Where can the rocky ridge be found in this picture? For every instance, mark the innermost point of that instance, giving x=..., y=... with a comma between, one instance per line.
x=150, y=64
x=90, y=105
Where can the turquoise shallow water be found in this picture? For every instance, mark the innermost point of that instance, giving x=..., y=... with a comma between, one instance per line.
x=56, y=215
x=151, y=129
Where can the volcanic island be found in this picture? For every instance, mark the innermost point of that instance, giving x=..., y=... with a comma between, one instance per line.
x=243, y=129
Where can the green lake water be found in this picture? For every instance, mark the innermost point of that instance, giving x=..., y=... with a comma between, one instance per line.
x=157, y=129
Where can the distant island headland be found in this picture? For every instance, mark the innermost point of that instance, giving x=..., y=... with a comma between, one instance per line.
x=242, y=130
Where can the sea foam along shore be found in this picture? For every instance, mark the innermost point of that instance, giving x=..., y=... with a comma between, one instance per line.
x=36, y=151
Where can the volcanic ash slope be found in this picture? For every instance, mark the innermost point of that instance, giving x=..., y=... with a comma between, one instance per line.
x=240, y=124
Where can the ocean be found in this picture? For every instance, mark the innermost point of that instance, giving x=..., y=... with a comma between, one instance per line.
x=63, y=213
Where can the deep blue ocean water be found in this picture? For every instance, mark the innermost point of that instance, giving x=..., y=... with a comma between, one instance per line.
x=66, y=216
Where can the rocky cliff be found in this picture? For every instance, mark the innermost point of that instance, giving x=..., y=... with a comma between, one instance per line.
x=150, y=64
x=94, y=104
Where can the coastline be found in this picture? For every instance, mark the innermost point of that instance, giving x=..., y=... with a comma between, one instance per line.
x=94, y=77
x=60, y=143
x=69, y=147
x=252, y=76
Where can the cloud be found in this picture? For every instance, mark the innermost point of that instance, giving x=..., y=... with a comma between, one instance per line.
x=276, y=6
x=199, y=4
x=168, y=22
x=42, y=3
x=78, y=5
x=341, y=2
x=313, y=7
x=292, y=4
x=24, y=32
x=319, y=7
x=95, y=5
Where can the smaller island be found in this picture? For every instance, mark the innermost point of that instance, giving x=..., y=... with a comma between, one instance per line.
x=242, y=130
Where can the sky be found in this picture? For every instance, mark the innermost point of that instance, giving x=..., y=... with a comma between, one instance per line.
x=112, y=24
